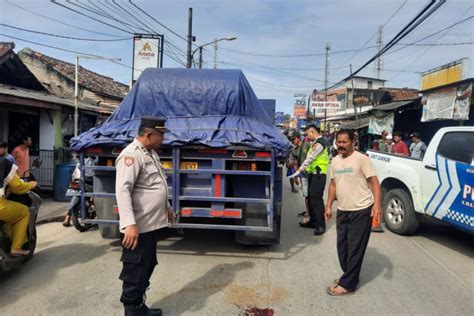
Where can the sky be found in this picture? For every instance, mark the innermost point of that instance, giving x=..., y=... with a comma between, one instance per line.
x=265, y=31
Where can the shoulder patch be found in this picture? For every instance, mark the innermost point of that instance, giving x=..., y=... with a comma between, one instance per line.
x=128, y=160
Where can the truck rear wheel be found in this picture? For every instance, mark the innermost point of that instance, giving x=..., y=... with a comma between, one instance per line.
x=399, y=213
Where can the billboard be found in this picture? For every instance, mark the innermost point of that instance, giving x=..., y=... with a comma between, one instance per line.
x=446, y=74
x=299, y=111
x=450, y=103
x=147, y=52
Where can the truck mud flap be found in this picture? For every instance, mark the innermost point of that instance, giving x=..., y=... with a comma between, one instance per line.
x=254, y=215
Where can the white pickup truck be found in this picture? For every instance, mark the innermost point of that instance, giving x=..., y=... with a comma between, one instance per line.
x=440, y=186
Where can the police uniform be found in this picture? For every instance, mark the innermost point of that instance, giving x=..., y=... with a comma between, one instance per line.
x=142, y=198
x=316, y=165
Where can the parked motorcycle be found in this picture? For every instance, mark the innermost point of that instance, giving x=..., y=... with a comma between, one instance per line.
x=33, y=201
x=74, y=208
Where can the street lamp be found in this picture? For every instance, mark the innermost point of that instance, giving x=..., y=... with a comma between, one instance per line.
x=228, y=38
x=76, y=86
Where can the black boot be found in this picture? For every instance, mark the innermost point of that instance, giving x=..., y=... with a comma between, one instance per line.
x=142, y=310
x=134, y=310
x=152, y=311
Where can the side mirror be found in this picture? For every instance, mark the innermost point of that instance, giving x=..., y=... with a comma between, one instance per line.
x=37, y=163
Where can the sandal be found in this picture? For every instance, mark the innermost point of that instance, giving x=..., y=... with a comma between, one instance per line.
x=19, y=252
x=331, y=291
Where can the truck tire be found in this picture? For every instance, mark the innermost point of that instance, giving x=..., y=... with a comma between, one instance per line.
x=399, y=213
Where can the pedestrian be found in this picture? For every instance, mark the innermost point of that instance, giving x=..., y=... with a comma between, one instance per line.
x=302, y=153
x=21, y=154
x=418, y=147
x=389, y=143
x=290, y=166
x=315, y=165
x=142, y=198
x=399, y=147
x=383, y=141
x=355, y=186
x=4, y=152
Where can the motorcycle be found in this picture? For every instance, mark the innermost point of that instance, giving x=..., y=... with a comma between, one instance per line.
x=33, y=201
x=74, y=209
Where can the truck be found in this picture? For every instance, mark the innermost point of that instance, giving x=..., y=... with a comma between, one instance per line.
x=221, y=154
x=440, y=186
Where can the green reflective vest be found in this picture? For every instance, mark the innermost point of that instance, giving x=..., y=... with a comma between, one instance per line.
x=321, y=161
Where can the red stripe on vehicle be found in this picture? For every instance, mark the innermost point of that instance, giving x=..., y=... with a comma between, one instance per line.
x=218, y=185
x=263, y=154
x=186, y=211
x=231, y=213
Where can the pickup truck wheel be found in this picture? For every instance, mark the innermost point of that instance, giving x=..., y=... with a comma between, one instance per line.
x=399, y=213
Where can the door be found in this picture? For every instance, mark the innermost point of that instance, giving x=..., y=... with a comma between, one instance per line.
x=448, y=181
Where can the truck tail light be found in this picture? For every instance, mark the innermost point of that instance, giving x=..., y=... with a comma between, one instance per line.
x=263, y=154
x=239, y=154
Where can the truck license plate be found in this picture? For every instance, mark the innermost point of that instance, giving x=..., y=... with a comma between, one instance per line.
x=185, y=165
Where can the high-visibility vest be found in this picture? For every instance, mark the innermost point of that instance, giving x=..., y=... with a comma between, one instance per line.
x=321, y=162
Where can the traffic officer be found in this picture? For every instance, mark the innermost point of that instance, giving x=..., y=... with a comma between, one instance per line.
x=316, y=166
x=142, y=198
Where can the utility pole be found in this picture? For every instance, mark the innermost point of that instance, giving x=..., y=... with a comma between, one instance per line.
x=379, y=61
x=190, y=37
x=326, y=75
x=215, y=53
x=200, y=57
x=352, y=98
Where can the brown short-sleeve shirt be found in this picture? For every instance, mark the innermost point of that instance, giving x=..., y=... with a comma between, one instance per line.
x=350, y=175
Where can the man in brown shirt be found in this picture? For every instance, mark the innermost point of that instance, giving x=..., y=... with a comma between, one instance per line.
x=355, y=185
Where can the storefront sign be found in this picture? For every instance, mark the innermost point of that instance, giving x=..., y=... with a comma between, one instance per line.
x=452, y=103
x=318, y=105
x=147, y=52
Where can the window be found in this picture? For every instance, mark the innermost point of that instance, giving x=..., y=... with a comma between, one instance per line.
x=457, y=146
x=369, y=84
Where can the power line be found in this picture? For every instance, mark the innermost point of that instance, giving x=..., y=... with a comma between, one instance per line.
x=67, y=37
x=293, y=55
x=90, y=17
x=362, y=47
x=425, y=13
x=61, y=22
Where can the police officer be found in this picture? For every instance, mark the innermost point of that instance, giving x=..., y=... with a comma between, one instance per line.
x=316, y=166
x=142, y=198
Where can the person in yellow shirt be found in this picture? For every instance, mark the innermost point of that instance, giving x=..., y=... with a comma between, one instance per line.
x=14, y=214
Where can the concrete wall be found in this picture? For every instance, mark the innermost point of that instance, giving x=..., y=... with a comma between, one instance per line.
x=47, y=133
x=362, y=83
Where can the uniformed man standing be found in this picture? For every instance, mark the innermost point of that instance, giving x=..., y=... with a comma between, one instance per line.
x=316, y=166
x=142, y=198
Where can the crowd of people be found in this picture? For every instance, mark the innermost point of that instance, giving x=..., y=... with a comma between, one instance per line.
x=401, y=144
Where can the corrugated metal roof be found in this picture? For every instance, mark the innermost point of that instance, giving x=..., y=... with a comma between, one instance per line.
x=42, y=96
x=392, y=106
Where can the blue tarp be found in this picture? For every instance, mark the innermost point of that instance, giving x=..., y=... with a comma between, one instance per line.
x=217, y=108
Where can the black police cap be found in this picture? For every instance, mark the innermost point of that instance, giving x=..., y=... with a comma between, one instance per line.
x=157, y=123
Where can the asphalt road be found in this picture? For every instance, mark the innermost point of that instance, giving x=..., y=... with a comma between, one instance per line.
x=207, y=273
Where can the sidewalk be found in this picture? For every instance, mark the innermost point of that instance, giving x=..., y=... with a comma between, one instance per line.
x=51, y=211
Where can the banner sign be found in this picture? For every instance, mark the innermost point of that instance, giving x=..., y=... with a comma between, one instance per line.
x=147, y=52
x=317, y=105
x=380, y=123
x=452, y=103
x=299, y=111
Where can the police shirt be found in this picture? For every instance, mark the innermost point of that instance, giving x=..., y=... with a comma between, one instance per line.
x=141, y=189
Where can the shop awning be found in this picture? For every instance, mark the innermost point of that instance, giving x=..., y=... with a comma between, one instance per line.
x=363, y=122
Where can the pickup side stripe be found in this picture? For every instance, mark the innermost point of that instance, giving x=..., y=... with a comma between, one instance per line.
x=437, y=189
x=447, y=192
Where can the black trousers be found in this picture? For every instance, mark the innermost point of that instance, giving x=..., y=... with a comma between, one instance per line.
x=316, y=185
x=138, y=266
x=353, y=233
